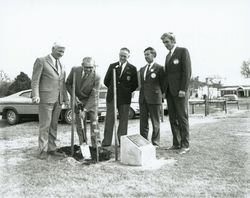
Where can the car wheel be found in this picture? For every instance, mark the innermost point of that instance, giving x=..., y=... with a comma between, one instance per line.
x=67, y=117
x=131, y=113
x=12, y=117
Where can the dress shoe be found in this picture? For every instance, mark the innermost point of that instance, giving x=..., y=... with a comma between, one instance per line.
x=42, y=156
x=156, y=145
x=105, y=145
x=184, y=150
x=56, y=153
x=174, y=148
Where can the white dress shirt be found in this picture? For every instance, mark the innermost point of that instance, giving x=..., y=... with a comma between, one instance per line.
x=123, y=66
x=59, y=69
x=150, y=66
x=173, y=49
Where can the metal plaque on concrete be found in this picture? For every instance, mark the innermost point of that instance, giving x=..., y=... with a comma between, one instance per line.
x=136, y=150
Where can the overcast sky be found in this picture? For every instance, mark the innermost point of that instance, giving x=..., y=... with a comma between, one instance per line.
x=216, y=33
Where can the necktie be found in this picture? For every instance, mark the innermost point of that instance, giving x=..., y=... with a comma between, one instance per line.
x=147, y=72
x=56, y=65
x=85, y=75
x=168, y=57
x=148, y=68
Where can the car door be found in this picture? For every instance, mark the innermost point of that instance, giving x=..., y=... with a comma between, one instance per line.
x=26, y=106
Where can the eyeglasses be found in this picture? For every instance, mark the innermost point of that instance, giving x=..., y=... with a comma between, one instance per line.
x=165, y=42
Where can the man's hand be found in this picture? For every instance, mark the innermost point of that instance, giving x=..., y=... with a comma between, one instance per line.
x=182, y=94
x=67, y=104
x=77, y=101
x=36, y=100
x=83, y=114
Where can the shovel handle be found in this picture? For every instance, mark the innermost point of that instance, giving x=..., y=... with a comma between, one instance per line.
x=115, y=114
x=73, y=113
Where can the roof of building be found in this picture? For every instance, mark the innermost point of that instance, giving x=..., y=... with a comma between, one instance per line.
x=235, y=88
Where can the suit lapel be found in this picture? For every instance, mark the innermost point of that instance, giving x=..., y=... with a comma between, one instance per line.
x=86, y=82
x=124, y=70
x=61, y=67
x=174, y=53
x=50, y=62
x=142, y=72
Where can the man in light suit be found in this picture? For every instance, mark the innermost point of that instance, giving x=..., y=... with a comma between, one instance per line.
x=126, y=83
x=177, y=78
x=150, y=97
x=49, y=91
x=87, y=97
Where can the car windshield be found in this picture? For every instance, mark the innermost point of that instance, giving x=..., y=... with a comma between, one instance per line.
x=26, y=94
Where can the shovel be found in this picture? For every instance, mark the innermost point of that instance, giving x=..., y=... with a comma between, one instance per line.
x=84, y=146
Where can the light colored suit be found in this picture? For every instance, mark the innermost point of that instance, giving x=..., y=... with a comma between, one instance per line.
x=87, y=91
x=49, y=85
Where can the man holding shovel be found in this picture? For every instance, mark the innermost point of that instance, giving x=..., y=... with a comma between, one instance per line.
x=87, y=84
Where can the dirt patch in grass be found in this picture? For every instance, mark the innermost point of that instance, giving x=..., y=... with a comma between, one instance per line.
x=103, y=154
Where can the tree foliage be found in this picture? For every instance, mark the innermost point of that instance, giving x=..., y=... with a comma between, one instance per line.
x=5, y=82
x=195, y=83
x=4, y=77
x=21, y=82
x=245, y=69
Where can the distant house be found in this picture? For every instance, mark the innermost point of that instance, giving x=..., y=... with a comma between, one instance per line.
x=211, y=92
x=240, y=91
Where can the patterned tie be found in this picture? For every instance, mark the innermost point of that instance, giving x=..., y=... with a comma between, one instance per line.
x=84, y=76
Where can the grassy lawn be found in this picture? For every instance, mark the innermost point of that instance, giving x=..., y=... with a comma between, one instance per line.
x=217, y=165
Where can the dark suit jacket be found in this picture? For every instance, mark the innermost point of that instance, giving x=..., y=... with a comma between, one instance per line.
x=152, y=88
x=178, y=71
x=47, y=83
x=87, y=90
x=126, y=84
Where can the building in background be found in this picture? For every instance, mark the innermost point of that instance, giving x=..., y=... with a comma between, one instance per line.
x=240, y=90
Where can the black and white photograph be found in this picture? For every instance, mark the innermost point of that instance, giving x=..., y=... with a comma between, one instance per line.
x=115, y=98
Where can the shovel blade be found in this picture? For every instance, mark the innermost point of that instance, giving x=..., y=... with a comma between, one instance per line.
x=85, y=151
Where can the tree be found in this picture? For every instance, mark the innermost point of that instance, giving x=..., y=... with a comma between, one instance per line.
x=21, y=82
x=245, y=69
x=195, y=83
x=4, y=77
x=5, y=82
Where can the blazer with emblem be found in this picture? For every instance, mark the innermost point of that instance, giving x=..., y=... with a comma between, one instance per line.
x=126, y=83
x=153, y=86
x=87, y=90
x=47, y=83
x=178, y=71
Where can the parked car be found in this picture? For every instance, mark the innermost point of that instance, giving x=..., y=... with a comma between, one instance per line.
x=230, y=97
x=134, y=110
x=134, y=106
x=19, y=106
